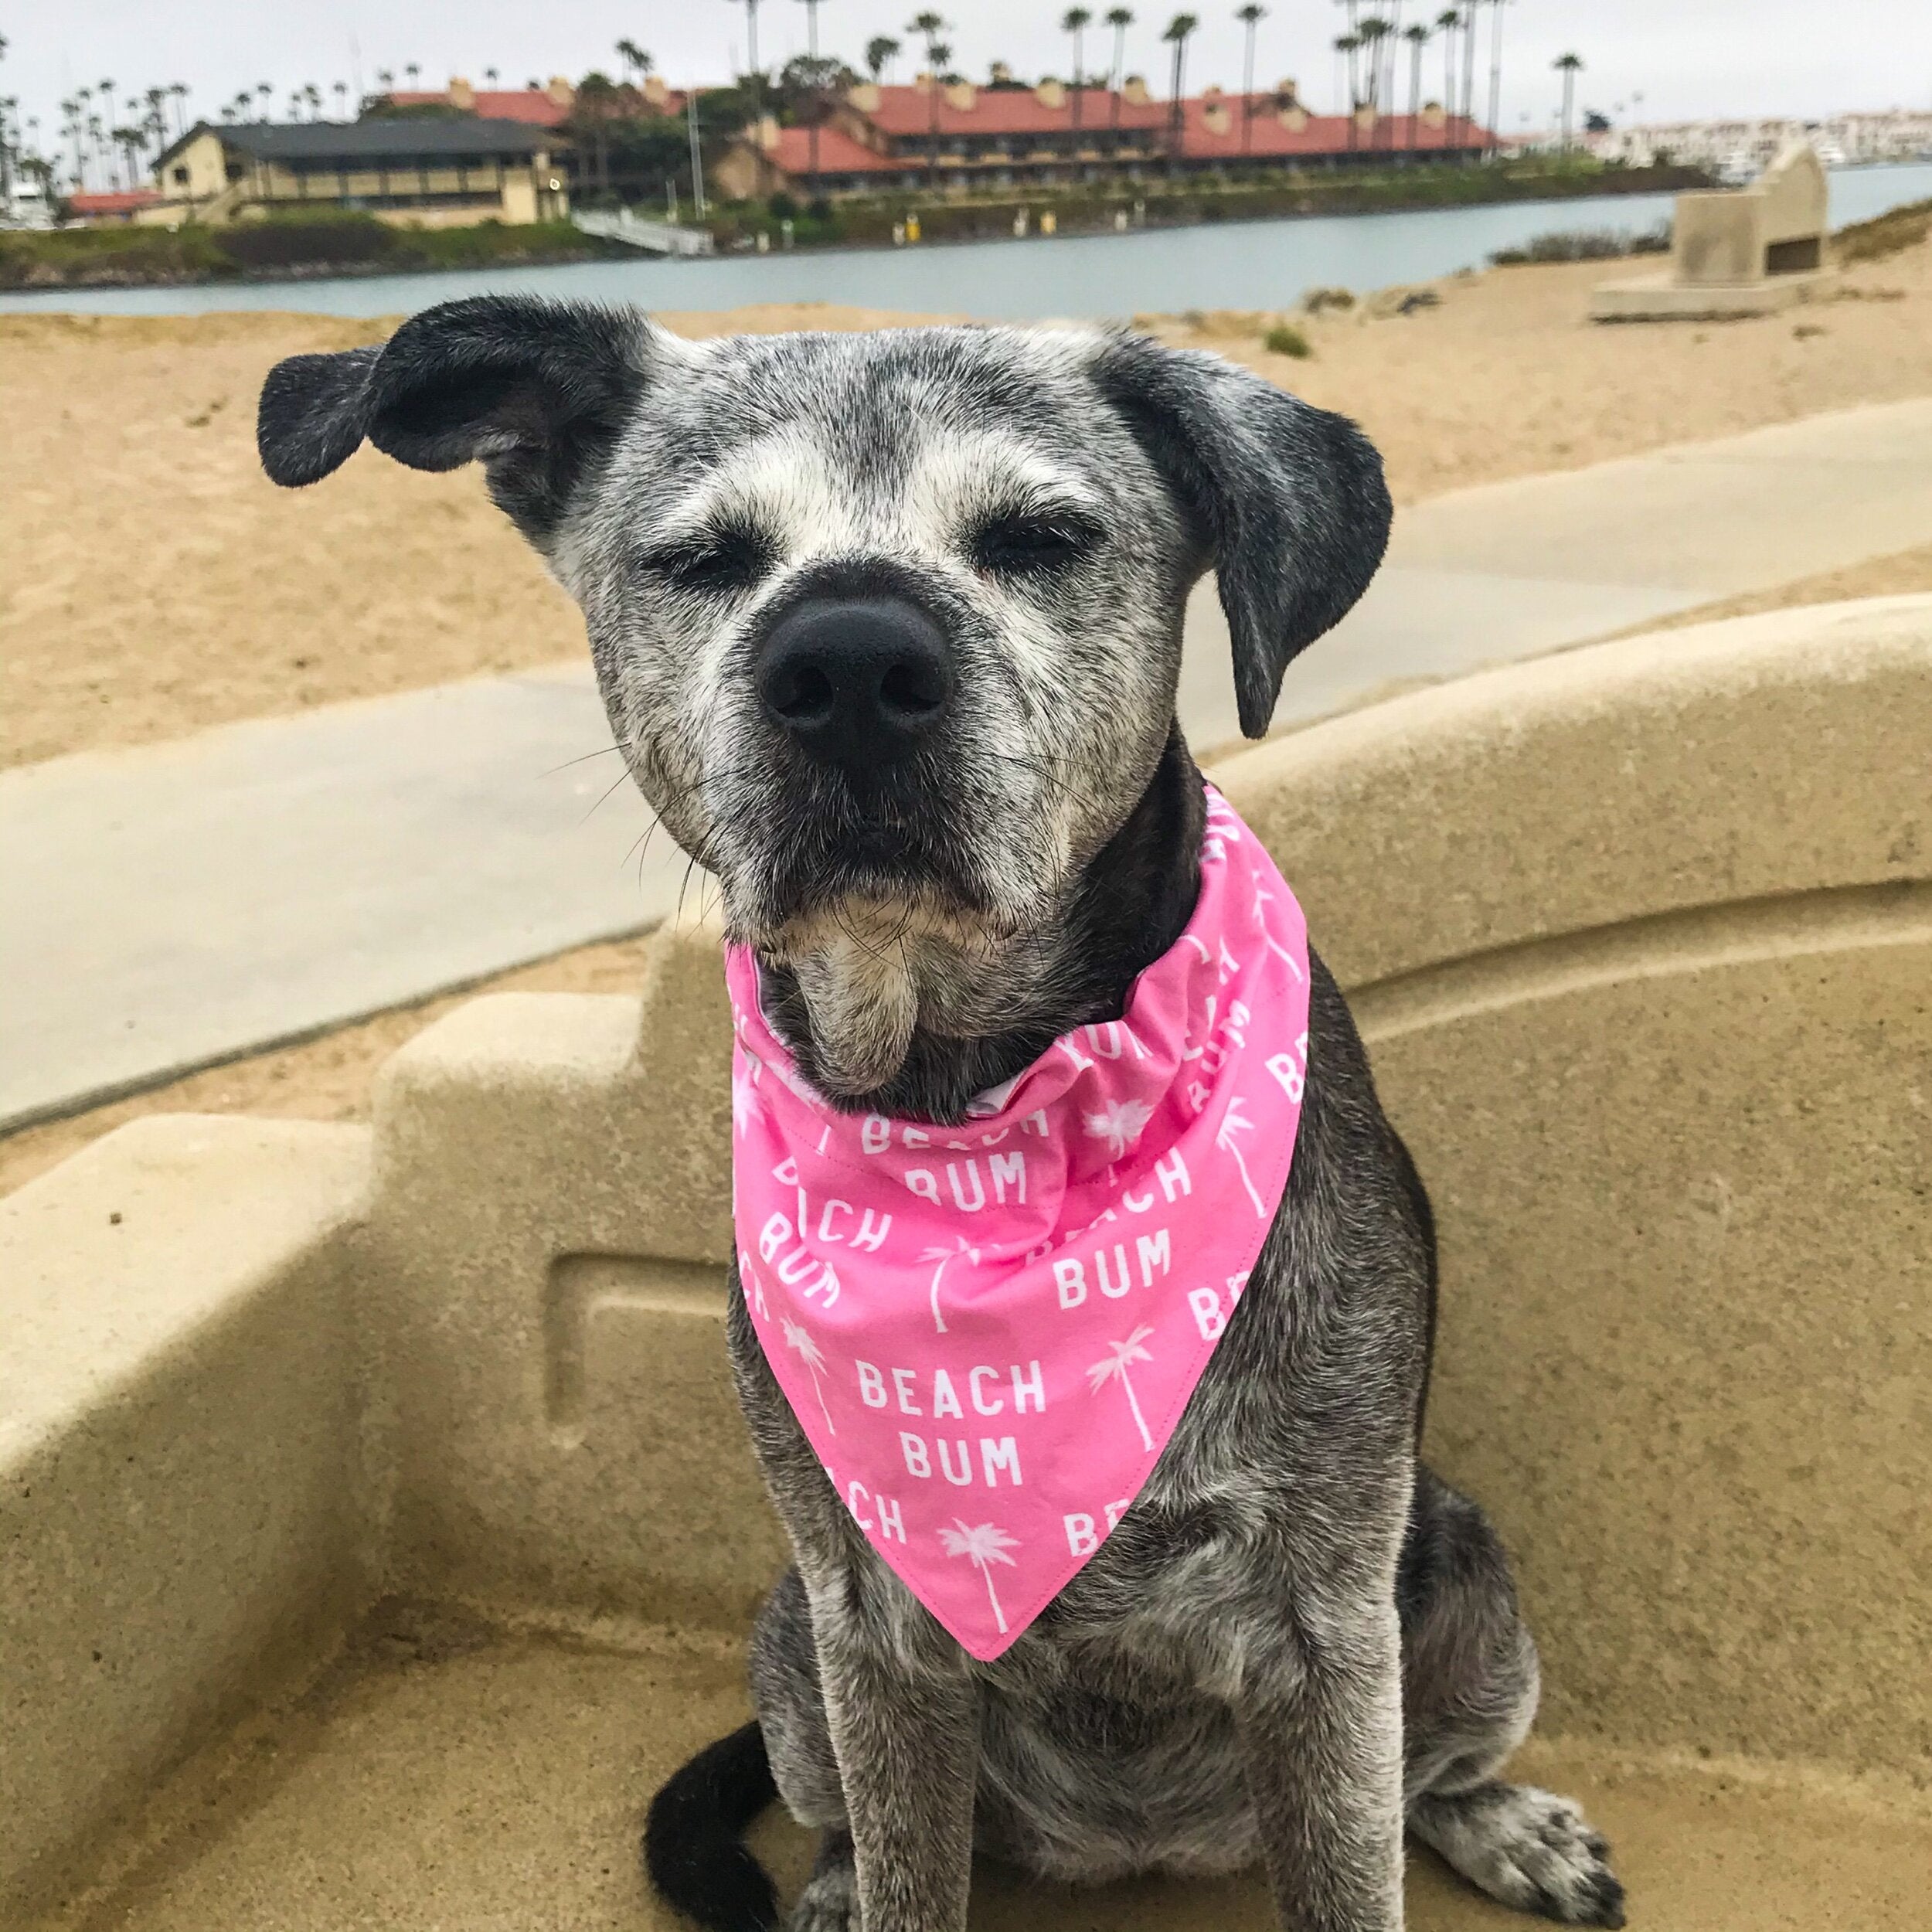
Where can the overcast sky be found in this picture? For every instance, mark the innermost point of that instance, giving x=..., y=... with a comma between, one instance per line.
x=1684, y=58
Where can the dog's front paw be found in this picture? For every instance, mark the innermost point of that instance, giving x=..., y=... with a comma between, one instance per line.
x=830, y=1900
x=1529, y=1848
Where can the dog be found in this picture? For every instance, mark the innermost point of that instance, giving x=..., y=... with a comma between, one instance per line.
x=889, y=628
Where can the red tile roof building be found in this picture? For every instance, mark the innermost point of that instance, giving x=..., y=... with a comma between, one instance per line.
x=121, y=205
x=882, y=137
x=549, y=106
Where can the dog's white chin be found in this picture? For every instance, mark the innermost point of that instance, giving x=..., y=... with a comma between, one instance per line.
x=863, y=999
x=871, y=969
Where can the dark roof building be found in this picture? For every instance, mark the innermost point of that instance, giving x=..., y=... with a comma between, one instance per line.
x=427, y=170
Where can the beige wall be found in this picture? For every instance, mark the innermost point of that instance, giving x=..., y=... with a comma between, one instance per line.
x=206, y=164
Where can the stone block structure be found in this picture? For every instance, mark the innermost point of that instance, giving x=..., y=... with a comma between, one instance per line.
x=1735, y=251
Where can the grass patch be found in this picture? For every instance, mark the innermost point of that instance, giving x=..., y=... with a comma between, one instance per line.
x=1883, y=235
x=320, y=241
x=1285, y=339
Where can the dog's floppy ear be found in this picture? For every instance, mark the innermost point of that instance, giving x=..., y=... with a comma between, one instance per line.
x=537, y=390
x=1288, y=501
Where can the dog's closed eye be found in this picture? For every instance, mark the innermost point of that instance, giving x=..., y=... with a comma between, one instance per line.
x=1024, y=543
x=713, y=562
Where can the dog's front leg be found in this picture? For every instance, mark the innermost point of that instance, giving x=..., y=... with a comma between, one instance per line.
x=905, y=1729
x=1319, y=1718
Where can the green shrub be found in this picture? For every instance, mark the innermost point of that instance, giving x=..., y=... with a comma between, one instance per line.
x=289, y=242
x=1285, y=339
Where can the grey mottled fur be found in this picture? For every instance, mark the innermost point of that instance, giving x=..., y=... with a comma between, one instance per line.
x=1298, y=1639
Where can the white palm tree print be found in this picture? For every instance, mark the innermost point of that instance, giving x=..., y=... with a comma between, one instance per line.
x=1273, y=945
x=797, y=1338
x=1113, y=1366
x=986, y=1545
x=1235, y=1122
x=943, y=1254
x=1119, y=1124
x=745, y=1106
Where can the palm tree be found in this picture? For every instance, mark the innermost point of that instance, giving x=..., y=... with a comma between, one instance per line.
x=340, y=90
x=266, y=90
x=1179, y=30
x=412, y=70
x=931, y=25
x=1373, y=33
x=1113, y=1366
x=1346, y=47
x=130, y=140
x=1393, y=44
x=943, y=1254
x=1120, y=19
x=797, y=1338
x=1569, y=65
x=490, y=77
x=1449, y=20
x=1250, y=17
x=881, y=51
x=313, y=95
x=1495, y=69
x=1075, y=22
x=1234, y=1123
x=178, y=91
x=1469, y=58
x=1417, y=37
x=629, y=53
x=985, y=1546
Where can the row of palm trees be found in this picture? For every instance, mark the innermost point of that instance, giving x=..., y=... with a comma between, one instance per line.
x=113, y=140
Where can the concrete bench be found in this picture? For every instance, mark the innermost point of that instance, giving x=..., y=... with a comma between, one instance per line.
x=379, y=1524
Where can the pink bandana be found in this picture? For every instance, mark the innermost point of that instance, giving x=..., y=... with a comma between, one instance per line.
x=988, y=1332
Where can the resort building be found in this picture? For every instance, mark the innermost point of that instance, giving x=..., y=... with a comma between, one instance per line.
x=958, y=137
x=418, y=171
x=545, y=106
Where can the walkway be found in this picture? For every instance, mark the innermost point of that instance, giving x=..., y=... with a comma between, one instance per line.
x=170, y=906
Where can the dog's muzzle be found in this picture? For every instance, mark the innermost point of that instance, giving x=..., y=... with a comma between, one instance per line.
x=856, y=681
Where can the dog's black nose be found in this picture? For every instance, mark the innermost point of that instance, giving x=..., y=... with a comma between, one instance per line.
x=856, y=681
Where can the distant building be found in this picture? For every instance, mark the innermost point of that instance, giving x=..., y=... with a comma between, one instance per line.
x=1740, y=148
x=430, y=172
x=879, y=138
x=118, y=204
x=549, y=106
x=545, y=106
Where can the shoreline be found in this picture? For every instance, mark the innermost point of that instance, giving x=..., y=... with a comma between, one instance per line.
x=1611, y=185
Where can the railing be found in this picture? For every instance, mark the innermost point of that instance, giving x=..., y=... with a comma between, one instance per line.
x=653, y=237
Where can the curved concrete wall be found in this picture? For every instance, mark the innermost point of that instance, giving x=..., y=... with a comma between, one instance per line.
x=1641, y=939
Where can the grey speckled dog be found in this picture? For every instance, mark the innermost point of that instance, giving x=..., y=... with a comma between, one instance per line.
x=889, y=627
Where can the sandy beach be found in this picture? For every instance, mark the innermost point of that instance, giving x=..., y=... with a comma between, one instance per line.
x=152, y=582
